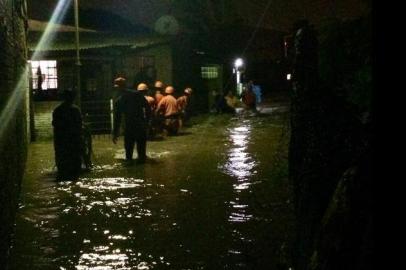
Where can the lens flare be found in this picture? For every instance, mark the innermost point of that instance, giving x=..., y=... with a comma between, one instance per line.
x=20, y=92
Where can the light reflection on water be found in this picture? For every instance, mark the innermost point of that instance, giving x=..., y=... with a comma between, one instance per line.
x=116, y=197
x=239, y=162
x=177, y=213
x=103, y=184
x=96, y=261
x=240, y=165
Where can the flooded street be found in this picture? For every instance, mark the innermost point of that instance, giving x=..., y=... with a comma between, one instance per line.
x=215, y=197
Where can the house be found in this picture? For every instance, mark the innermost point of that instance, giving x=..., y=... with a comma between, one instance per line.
x=104, y=56
x=182, y=60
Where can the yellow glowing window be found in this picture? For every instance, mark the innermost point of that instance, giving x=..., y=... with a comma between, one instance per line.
x=44, y=74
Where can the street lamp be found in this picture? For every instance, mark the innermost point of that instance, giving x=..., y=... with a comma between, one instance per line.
x=238, y=64
x=78, y=64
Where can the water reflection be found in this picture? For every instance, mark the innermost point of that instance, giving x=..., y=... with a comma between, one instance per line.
x=240, y=165
x=239, y=162
x=96, y=261
x=178, y=213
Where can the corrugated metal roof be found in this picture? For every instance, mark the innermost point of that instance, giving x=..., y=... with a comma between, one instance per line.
x=63, y=38
x=40, y=26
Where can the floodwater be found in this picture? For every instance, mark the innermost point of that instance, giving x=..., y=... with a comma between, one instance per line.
x=215, y=197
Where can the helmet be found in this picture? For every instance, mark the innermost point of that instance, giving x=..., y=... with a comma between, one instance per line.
x=169, y=90
x=142, y=87
x=188, y=91
x=119, y=82
x=159, y=84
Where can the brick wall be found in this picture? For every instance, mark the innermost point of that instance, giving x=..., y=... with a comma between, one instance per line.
x=13, y=114
x=43, y=119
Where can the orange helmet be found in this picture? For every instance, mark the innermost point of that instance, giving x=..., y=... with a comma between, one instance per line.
x=159, y=84
x=169, y=90
x=142, y=87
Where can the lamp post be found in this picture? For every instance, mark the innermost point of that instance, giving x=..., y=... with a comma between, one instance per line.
x=238, y=64
x=77, y=64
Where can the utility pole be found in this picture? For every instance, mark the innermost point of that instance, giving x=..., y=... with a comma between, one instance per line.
x=77, y=64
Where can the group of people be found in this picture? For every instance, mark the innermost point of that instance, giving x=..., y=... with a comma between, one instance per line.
x=139, y=114
x=147, y=112
x=250, y=97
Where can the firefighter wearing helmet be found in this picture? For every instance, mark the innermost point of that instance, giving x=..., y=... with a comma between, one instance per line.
x=143, y=89
x=168, y=108
x=159, y=89
x=183, y=102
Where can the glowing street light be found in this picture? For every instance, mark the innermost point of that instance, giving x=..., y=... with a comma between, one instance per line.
x=238, y=64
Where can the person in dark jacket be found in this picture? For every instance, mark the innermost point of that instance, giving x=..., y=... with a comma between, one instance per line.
x=137, y=113
x=68, y=145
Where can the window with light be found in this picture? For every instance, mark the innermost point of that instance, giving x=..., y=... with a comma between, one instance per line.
x=209, y=72
x=44, y=74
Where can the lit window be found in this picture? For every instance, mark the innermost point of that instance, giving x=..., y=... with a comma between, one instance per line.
x=44, y=73
x=209, y=72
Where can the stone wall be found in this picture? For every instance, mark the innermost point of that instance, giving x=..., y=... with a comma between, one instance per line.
x=13, y=114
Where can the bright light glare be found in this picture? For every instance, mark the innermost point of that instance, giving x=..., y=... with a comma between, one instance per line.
x=289, y=76
x=20, y=91
x=238, y=62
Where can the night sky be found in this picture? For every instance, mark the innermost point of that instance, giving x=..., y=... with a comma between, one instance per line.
x=280, y=15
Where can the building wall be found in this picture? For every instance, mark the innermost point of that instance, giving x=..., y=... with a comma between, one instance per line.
x=43, y=119
x=130, y=65
x=163, y=62
x=13, y=114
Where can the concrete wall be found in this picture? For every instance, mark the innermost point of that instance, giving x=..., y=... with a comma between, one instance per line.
x=13, y=114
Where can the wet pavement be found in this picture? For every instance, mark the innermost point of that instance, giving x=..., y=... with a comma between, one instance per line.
x=215, y=197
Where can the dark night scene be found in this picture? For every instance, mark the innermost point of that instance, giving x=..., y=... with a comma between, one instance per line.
x=186, y=135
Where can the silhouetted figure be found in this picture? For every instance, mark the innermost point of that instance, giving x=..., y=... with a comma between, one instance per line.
x=67, y=123
x=133, y=105
x=143, y=89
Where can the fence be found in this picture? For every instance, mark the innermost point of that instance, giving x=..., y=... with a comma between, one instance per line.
x=98, y=116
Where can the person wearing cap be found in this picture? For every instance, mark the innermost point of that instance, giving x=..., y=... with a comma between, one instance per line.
x=168, y=107
x=137, y=112
x=143, y=89
x=159, y=89
x=183, y=102
x=67, y=127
